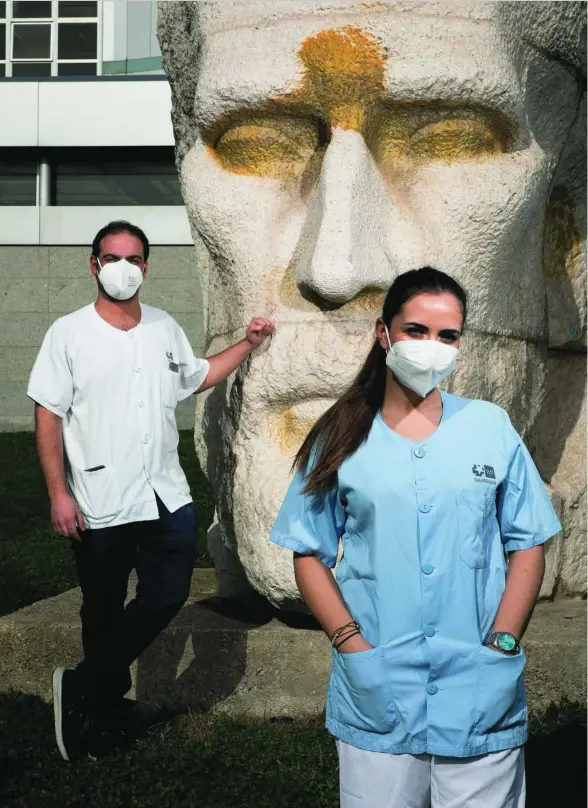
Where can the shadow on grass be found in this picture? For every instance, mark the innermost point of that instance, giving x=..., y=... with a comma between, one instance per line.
x=34, y=563
x=219, y=762
x=556, y=758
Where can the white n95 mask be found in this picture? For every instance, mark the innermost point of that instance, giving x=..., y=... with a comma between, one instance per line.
x=421, y=364
x=120, y=279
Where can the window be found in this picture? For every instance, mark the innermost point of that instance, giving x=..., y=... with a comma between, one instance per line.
x=116, y=176
x=18, y=177
x=31, y=70
x=76, y=68
x=90, y=176
x=77, y=40
x=67, y=43
x=71, y=8
x=29, y=9
x=31, y=40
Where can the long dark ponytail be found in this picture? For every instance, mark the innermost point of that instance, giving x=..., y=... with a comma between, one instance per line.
x=341, y=430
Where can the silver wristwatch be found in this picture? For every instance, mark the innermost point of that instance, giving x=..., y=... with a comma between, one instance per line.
x=503, y=641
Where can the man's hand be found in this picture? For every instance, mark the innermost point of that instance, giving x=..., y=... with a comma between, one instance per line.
x=226, y=362
x=66, y=516
x=259, y=330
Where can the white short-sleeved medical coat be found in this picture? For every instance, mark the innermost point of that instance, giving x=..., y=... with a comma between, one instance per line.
x=424, y=530
x=117, y=392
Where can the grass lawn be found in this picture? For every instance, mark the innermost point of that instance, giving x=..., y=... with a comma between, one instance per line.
x=217, y=762
x=36, y=564
x=197, y=761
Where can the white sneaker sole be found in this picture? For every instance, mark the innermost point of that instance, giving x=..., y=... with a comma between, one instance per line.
x=57, y=710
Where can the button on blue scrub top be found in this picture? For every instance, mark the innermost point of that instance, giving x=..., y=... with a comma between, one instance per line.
x=424, y=529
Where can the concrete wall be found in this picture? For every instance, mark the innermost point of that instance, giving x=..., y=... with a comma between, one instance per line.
x=69, y=225
x=71, y=113
x=39, y=284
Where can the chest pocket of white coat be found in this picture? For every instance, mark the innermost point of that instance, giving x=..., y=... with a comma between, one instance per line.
x=170, y=379
x=474, y=523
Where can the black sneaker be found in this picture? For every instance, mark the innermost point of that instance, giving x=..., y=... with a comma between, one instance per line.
x=101, y=740
x=68, y=713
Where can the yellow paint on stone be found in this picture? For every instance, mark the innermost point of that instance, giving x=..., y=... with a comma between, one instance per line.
x=288, y=294
x=562, y=246
x=419, y=133
x=290, y=432
x=344, y=75
x=343, y=85
x=276, y=146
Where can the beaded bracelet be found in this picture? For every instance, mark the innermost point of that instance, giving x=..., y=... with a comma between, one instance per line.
x=341, y=630
x=343, y=636
x=347, y=637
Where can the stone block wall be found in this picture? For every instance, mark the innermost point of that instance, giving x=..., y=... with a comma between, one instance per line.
x=40, y=284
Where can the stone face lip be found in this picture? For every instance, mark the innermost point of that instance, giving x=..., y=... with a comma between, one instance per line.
x=220, y=656
x=326, y=147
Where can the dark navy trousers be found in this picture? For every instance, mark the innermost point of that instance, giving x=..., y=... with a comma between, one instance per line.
x=113, y=635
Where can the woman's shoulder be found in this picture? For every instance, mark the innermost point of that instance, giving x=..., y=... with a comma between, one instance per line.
x=475, y=408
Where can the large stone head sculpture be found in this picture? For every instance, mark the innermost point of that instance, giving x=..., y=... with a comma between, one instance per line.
x=324, y=148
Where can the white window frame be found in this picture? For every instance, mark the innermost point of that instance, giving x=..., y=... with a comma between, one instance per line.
x=21, y=24
x=4, y=22
x=54, y=21
x=75, y=21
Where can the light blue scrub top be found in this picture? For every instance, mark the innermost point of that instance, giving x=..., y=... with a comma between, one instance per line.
x=424, y=530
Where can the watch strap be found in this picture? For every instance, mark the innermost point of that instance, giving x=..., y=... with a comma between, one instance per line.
x=493, y=639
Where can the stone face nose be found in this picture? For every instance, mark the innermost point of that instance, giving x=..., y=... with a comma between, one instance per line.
x=357, y=237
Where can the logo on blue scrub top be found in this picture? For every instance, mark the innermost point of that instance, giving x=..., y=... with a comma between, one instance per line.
x=484, y=474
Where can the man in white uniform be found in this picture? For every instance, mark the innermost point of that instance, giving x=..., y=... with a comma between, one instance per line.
x=106, y=384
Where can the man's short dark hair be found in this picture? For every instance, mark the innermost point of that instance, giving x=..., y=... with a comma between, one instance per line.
x=120, y=226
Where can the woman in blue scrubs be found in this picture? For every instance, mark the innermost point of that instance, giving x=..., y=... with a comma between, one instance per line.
x=427, y=495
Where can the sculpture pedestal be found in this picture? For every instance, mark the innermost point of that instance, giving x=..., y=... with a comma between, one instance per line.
x=218, y=656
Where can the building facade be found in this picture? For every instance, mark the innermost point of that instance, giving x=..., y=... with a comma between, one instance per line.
x=85, y=138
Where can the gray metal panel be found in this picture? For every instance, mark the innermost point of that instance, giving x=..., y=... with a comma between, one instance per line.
x=120, y=30
x=154, y=49
x=138, y=29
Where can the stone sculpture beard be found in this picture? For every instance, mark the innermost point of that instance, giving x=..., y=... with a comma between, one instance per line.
x=252, y=432
x=302, y=224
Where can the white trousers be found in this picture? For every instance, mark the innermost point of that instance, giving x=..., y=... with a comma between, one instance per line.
x=381, y=780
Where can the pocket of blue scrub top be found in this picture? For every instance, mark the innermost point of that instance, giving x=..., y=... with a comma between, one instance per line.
x=363, y=691
x=473, y=523
x=500, y=697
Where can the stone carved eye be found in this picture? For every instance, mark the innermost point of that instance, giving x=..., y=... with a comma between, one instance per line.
x=272, y=146
x=454, y=139
x=419, y=133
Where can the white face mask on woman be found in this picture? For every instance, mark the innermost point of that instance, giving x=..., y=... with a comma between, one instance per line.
x=120, y=279
x=421, y=364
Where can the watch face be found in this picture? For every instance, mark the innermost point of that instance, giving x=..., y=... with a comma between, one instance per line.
x=506, y=642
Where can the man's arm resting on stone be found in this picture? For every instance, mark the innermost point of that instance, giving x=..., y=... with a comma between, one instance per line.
x=226, y=362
